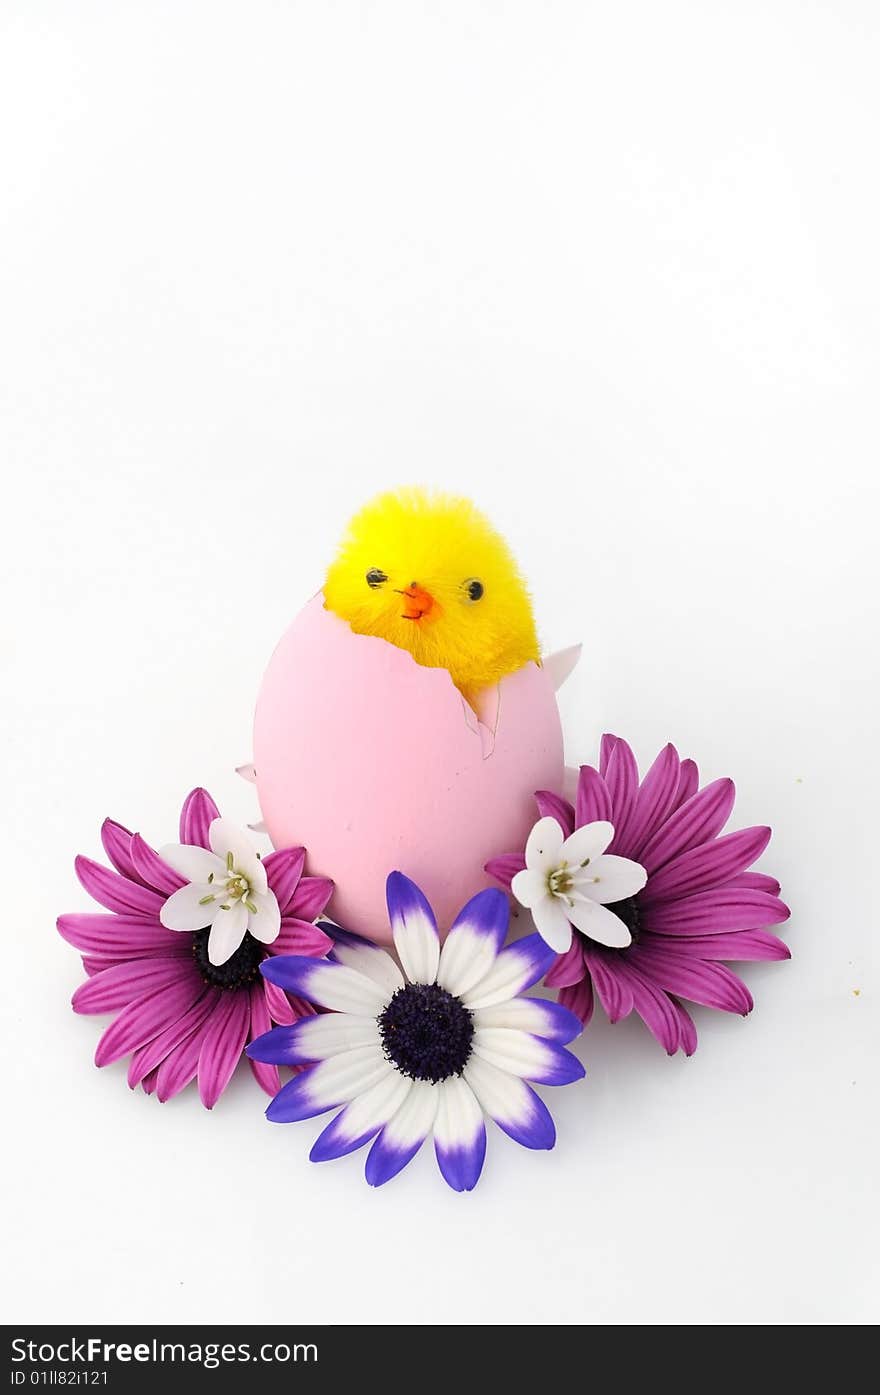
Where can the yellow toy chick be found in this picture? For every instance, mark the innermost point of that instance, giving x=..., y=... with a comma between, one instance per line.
x=428, y=573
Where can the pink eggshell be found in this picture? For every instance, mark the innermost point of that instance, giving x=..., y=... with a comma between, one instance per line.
x=375, y=763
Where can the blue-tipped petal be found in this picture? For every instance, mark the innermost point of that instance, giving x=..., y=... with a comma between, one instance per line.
x=529, y=1057
x=333, y=986
x=329, y=1083
x=516, y=968
x=363, y=1118
x=314, y=1039
x=403, y=1136
x=276, y=1047
x=512, y=1103
x=459, y=1135
x=474, y=941
x=414, y=928
x=364, y=956
x=536, y=1015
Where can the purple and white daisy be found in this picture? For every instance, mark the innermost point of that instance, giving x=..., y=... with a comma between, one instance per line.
x=697, y=906
x=429, y=1050
x=185, y=1007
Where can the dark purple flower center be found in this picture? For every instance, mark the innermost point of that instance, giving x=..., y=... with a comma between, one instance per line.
x=239, y=971
x=628, y=911
x=426, y=1032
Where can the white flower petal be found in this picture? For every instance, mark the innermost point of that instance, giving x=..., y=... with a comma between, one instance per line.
x=617, y=878
x=369, y=960
x=473, y=943
x=529, y=887
x=330, y=985
x=551, y=917
x=196, y=864
x=599, y=924
x=414, y=929
x=459, y=1134
x=342, y=1078
x=183, y=911
x=366, y=1114
x=415, y=1117
x=511, y=1103
x=265, y=925
x=331, y=1033
x=226, y=837
x=227, y=932
x=544, y=846
x=513, y=1051
x=587, y=842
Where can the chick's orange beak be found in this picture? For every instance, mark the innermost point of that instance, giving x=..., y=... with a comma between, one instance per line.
x=417, y=602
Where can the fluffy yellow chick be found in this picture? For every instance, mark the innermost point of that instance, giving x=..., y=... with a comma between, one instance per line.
x=428, y=573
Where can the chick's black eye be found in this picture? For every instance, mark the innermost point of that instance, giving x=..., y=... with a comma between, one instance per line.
x=376, y=578
x=474, y=589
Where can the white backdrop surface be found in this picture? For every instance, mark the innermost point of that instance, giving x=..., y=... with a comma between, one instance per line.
x=611, y=269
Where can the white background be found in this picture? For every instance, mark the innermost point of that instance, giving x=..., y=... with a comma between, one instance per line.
x=610, y=268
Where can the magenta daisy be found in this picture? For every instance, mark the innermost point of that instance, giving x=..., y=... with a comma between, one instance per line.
x=699, y=905
x=186, y=1008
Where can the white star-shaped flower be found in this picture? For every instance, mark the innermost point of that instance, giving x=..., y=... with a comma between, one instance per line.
x=227, y=889
x=570, y=881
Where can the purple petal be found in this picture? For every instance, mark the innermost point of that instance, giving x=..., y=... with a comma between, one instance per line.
x=569, y=967
x=505, y=867
x=555, y=1021
x=310, y=898
x=701, y=818
x=687, y=1029
x=148, y=1058
x=296, y=1100
x=148, y=1084
x=283, y=870
x=688, y=783
x=653, y=1006
x=606, y=747
x=120, y=936
x=198, y=813
x=706, y=866
x=181, y=1064
x=711, y=912
x=281, y=1046
x=300, y=937
x=612, y=988
x=593, y=803
x=622, y=779
x=519, y=966
x=116, y=840
x=387, y=1158
x=756, y=881
x=152, y=871
x=517, y=1110
x=578, y=998
x=279, y=1005
x=487, y=916
x=654, y=800
x=222, y=1045
x=713, y=985
x=112, y=989
x=737, y=944
x=460, y=1158
x=116, y=892
x=561, y=1067
x=265, y=1074
x=335, y=1141
x=554, y=807
x=145, y=1018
